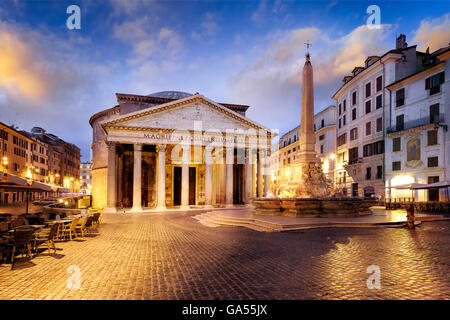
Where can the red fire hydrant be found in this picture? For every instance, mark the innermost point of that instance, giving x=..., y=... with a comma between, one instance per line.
x=410, y=216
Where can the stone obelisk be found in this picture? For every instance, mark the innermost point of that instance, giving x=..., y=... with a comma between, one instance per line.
x=311, y=182
x=307, y=139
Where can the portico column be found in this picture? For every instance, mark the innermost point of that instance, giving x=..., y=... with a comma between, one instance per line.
x=259, y=185
x=185, y=177
x=161, y=204
x=229, y=184
x=111, y=189
x=248, y=176
x=137, y=178
x=266, y=174
x=208, y=179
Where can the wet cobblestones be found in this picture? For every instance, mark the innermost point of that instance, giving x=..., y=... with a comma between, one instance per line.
x=172, y=256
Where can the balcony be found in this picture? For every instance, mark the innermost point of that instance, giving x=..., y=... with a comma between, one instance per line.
x=417, y=123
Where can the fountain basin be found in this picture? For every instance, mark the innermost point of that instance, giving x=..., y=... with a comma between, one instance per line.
x=266, y=206
x=313, y=207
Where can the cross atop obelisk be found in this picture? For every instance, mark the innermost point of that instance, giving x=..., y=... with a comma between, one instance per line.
x=308, y=44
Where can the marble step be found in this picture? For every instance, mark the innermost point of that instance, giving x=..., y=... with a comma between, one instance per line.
x=214, y=218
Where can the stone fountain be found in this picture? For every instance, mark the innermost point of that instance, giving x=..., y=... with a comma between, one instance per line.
x=308, y=193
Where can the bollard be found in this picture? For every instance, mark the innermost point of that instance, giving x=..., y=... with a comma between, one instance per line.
x=410, y=216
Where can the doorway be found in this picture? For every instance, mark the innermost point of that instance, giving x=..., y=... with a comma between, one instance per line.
x=177, y=185
x=354, y=189
x=238, y=183
x=433, y=194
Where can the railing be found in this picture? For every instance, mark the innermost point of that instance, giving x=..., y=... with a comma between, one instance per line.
x=354, y=161
x=423, y=206
x=439, y=118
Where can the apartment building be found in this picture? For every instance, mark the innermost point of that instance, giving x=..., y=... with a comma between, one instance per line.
x=417, y=140
x=64, y=159
x=363, y=104
x=86, y=177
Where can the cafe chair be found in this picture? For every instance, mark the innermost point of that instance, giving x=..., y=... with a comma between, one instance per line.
x=70, y=228
x=21, y=240
x=46, y=237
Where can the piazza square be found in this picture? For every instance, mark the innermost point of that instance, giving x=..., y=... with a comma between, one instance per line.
x=224, y=171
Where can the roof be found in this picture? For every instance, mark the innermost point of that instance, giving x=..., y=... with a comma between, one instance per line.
x=175, y=103
x=156, y=99
x=170, y=94
x=369, y=67
x=413, y=74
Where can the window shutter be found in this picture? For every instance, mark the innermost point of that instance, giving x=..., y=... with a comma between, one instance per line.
x=427, y=83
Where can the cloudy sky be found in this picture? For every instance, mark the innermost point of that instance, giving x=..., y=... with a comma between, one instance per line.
x=245, y=52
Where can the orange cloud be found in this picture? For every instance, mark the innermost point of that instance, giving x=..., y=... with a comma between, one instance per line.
x=433, y=33
x=18, y=70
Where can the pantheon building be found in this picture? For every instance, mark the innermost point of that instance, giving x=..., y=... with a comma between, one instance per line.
x=173, y=149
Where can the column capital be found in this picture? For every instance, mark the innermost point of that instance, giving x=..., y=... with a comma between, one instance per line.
x=138, y=147
x=161, y=147
x=111, y=145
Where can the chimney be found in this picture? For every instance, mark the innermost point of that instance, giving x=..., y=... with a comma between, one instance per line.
x=401, y=42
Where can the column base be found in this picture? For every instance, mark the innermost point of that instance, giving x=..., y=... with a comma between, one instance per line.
x=161, y=208
x=185, y=208
x=229, y=205
x=208, y=206
x=136, y=209
x=109, y=210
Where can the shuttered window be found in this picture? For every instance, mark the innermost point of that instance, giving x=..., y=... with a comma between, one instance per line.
x=400, y=97
x=432, y=137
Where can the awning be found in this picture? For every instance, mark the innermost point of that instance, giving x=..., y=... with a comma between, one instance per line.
x=7, y=178
x=442, y=184
x=410, y=186
x=41, y=186
x=1, y=176
x=420, y=186
x=63, y=190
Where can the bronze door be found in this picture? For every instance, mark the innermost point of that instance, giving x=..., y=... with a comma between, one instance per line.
x=192, y=185
x=177, y=186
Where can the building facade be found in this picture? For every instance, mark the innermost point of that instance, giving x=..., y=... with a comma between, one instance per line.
x=24, y=158
x=174, y=149
x=64, y=160
x=285, y=153
x=31, y=163
x=363, y=110
x=86, y=178
x=418, y=141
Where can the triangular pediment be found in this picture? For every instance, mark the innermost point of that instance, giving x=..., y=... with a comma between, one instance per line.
x=184, y=114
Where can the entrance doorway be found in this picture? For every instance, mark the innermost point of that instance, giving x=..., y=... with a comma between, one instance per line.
x=354, y=189
x=433, y=194
x=177, y=185
x=238, y=183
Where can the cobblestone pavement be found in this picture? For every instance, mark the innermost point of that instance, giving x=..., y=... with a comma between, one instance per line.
x=172, y=256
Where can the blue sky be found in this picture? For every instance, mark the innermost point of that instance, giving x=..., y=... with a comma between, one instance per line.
x=247, y=52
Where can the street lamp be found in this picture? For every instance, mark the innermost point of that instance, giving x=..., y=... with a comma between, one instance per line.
x=4, y=162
